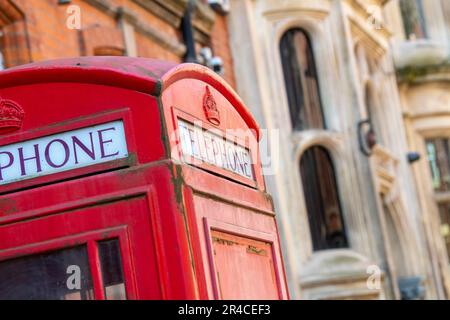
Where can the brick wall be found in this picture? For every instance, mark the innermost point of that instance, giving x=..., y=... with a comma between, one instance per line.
x=221, y=47
x=38, y=30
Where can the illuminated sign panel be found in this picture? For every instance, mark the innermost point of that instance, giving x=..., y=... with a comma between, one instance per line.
x=211, y=148
x=62, y=152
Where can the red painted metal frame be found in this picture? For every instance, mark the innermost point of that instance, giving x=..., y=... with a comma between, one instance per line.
x=201, y=184
x=143, y=75
x=89, y=239
x=165, y=240
x=166, y=244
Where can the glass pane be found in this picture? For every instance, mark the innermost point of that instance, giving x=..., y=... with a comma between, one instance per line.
x=413, y=19
x=57, y=275
x=112, y=272
x=438, y=152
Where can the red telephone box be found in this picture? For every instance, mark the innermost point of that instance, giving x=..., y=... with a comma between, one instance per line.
x=125, y=178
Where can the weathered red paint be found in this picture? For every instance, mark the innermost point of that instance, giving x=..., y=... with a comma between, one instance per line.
x=168, y=215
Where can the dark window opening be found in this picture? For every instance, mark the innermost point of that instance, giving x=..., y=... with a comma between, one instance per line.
x=301, y=80
x=438, y=152
x=413, y=19
x=322, y=200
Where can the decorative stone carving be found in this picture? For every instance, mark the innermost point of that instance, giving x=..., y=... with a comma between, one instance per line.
x=385, y=166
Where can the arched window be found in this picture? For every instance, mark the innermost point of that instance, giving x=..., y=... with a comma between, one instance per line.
x=322, y=200
x=301, y=80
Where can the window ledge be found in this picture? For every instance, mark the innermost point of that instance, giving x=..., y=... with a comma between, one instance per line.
x=338, y=274
x=334, y=265
x=419, y=53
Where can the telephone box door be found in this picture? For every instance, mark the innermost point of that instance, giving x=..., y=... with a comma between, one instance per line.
x=83, y=251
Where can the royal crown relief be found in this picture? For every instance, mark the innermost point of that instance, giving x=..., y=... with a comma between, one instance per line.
x=211, y=147
x=11, y=116
x=210, y=107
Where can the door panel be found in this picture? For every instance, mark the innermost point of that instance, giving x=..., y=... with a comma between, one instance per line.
x=101, y=242
x=243, y=262
x=244, y=267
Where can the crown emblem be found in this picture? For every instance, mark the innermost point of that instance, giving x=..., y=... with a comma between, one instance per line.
x=210, y=108
x=11, y=116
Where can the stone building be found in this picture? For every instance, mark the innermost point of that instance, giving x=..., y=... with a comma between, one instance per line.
x=421, y=48
x=349, y=189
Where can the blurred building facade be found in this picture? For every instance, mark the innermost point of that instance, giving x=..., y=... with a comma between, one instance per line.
x=349, y=191
x=356, y=88
x=421, y=49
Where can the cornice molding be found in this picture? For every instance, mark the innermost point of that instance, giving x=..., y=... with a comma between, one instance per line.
x=103, y=5
x=9, y=13
x=423, y=74
x=376, y=46
x=171, y=11
x=361, y=8
x=151, y=32
x=140, y=26
x=203, y=18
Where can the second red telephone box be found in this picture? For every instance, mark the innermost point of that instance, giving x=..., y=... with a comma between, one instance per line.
x=127, y=178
